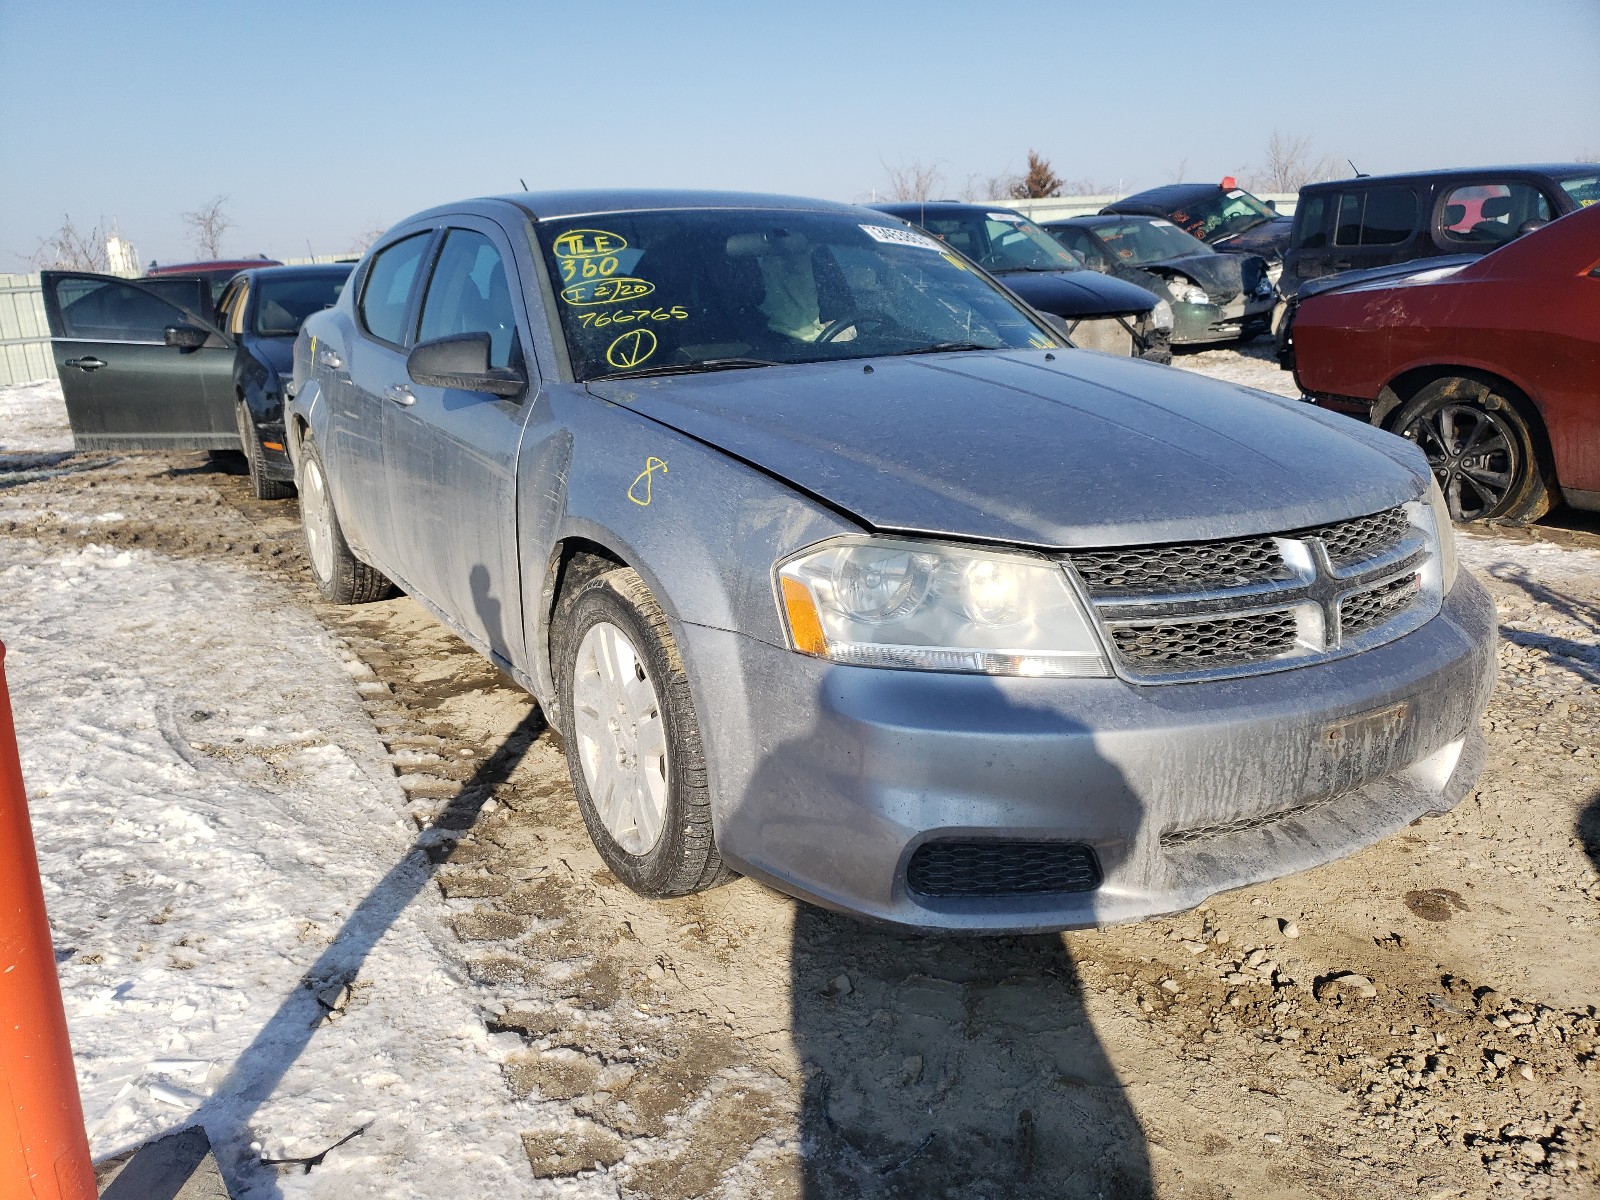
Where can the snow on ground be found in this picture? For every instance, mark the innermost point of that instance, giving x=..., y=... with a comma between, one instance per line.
x=215, y=820
x=33, y=419
x=1252, y=365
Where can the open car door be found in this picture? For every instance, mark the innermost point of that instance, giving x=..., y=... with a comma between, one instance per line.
x=140, y=368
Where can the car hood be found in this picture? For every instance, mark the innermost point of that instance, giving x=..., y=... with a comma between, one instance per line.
x=1268, y=238
x=1221, y=275
x=1011, y=446
x=1420, y=270
x=276, y=352
x=1077, y=293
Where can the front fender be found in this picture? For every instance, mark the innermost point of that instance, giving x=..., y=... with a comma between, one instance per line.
x=305, y=411
x=703, y=529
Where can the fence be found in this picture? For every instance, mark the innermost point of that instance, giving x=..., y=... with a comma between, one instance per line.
x=24, y=336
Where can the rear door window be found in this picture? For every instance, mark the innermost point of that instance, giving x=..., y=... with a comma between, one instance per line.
x=469, y=294
x=385, y=296
x=1376, y=217
x=1479, y=214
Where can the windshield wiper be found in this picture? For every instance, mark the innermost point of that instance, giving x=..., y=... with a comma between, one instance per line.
x=947, y=348
x=694, y=368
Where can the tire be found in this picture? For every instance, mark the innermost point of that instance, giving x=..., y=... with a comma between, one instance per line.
x=261, y=487
x=340, y=576
x=630, y=732
x=1503, y=478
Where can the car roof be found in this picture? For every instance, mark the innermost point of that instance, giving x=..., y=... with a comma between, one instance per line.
x=900, y=207
x=1543, y=170
x=301, y=269
x=1100, y=219
x=1172, y=194
x=212, y=264
x=598, y=201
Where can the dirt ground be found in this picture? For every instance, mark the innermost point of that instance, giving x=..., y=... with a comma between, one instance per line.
x=1418, y=1019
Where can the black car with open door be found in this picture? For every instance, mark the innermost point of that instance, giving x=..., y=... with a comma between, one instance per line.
x=144, y=364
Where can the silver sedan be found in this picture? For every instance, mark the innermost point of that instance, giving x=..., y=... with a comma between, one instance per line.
x=836, y=566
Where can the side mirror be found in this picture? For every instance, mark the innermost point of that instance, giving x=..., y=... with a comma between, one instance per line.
x=1529, y=226
x=1273, y=205
x=1059, y=324
x=462, y=361
x=184, y=337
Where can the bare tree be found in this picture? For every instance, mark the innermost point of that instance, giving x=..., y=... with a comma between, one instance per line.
x=1176, y=174
x=1039, y=181
x=1085, y=187
x=915, y=180
x=1290, y=165
x=364, y=239
x=206, y=225
x=71, y=249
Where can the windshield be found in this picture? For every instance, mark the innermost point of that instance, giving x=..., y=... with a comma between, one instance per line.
x=1141, y=241
x=1585, y=190
x=1219, y=216
x=711, y=288
x=282, y=305
x=1001, y=241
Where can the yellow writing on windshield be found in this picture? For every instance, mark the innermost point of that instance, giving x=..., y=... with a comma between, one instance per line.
x=588, y=243
x=600, y=320
x=631, y=349
x=606, y=291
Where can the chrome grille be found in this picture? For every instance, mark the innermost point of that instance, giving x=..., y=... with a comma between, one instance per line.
x=1196, y=566
x=1363, y=538
x=1366, y=610
x=1203, y=610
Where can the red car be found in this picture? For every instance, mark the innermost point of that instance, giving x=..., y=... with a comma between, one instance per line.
x=1492, y=368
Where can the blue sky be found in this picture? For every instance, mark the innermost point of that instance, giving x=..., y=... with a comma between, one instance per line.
x=323, y=120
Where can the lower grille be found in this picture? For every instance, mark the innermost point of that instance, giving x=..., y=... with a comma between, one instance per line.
x=996, y=868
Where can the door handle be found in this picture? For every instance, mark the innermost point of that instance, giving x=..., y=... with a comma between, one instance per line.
x=88, y=363
x=400, y=394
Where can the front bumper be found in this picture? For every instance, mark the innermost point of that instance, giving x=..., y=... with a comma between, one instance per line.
x=828, y=778
x=1201, y=324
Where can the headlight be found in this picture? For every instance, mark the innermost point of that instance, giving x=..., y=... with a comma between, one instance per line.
x=1186, y=291
x=1161, y=316
x=1444, y=532
x=880, y=602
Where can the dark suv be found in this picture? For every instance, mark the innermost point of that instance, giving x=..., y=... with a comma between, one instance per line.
x=1376, y=220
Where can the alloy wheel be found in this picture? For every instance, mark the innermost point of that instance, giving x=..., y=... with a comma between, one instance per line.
x=1473, y=454
x=622, y=738
x=317, y=518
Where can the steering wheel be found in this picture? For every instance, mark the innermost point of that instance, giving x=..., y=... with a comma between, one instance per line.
x=832, y=330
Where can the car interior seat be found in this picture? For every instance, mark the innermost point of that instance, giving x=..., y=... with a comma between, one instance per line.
x=1495, y=225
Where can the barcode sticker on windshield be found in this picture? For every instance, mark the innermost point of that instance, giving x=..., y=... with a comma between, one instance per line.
x=901, y=237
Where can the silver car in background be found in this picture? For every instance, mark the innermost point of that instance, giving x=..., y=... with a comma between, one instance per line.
x=834, y=567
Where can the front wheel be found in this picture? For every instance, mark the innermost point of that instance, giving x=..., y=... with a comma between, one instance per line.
x=340, y=576
x=261, y=487
x=1480, y=449
x=632, y=739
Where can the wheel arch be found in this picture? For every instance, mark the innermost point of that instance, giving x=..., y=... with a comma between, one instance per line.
x=1396, y=394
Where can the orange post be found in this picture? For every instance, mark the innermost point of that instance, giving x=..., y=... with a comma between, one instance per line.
x=44, y=1153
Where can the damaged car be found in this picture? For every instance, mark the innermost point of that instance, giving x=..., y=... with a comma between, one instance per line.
x=835, y=566
x=1222, y=215
x=1214, y=297
x=1099, y=313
